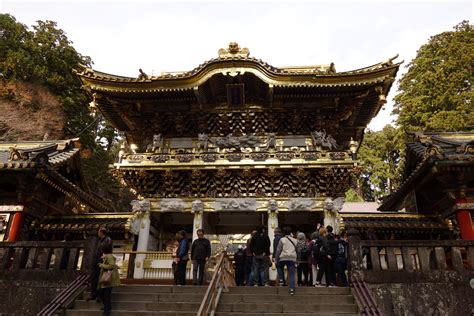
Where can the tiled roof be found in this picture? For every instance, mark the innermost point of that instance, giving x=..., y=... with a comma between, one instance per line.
x=393, y=221
x=46, y=157
x=426, y=150
x=86, y=222
x=31, y=153
x=237, y=61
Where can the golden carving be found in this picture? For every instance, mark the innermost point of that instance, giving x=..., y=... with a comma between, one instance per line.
x=233, y=50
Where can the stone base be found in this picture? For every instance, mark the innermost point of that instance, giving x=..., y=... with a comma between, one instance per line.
x=27, y=292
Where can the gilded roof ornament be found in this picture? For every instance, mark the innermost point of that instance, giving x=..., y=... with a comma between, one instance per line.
x=233, y=50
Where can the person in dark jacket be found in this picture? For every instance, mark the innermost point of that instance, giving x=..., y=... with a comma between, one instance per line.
x=323, y=257
x=332, y=243
x=340, y=264
x=249, y=260
x=200, y=253
x=260, y=246
x=181, y=258
x=99, y=252
x=239, y=264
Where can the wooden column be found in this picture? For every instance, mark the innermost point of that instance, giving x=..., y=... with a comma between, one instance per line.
x=464, y=221
x=15, y=227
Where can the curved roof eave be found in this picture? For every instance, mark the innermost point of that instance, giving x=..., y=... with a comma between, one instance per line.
x=99, y=81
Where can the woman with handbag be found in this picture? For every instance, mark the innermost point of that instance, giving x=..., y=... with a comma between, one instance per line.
x=108, y=279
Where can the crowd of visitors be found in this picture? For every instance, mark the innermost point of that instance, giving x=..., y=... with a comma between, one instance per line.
x=316, y=260
x=319, y=259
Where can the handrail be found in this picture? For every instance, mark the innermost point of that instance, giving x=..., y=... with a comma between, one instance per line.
x=219, y=284
x=76, y=286
x=365, y=298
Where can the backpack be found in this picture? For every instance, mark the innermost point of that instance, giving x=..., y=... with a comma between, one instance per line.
x=304, y=253
x=341, y=249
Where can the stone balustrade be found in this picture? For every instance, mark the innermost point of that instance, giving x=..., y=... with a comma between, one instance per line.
x=42, y=255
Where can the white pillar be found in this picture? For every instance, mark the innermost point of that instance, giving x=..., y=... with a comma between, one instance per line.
x=272, y=223
x=141, y=226
x=197, y=223
x=142, y=245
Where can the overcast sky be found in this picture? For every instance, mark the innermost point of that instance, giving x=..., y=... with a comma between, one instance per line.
x=123, y=36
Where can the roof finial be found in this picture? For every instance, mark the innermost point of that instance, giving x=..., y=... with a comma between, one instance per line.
x=233, y=50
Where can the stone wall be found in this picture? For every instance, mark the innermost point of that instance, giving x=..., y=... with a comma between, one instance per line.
x=448, y=295
x=27, y=292
x=415, y=277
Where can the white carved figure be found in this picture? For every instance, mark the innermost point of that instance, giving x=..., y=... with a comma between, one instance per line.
x=321, y=138
x=140, y=206
x=272, y=205
x=157, y=143
x=197, y=206
x=172, y=205
x=334, y=205
x=300, y=204
x=271, y=141
x=249, y=140
x=203, y=141
x=235, y=204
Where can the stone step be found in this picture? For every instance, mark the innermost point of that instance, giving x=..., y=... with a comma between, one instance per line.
x=290, y=308
x=160, y=289
x=141, y=306
x=74, y=312
x=296, y=299
x=156, y=297
x=285, y=314
x=309, y=290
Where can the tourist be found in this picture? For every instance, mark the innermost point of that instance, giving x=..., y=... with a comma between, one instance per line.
x=286, y=256
x=239, y=265
x=260, y=246
x=314, y=253
x=276, y=240
x=249, y=261
x=302, y=252
x=323, y=257
x=174, y=250
x=200, y=253
x=109, y=278
x=95, y=271
x=332, y=243
x=340, y=264
x=181, y=258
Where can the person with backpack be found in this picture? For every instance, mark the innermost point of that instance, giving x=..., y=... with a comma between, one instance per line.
x=276, y=240
x=340, y=264
x=302, y=252
x=323, y=256
x=286, y=256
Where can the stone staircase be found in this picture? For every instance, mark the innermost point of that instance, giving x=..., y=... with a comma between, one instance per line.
x=146, y=300
x=163, y=300
x=273, y=301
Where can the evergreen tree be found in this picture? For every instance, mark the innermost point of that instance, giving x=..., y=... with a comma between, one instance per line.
x=380, y=156
x=436, y=92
